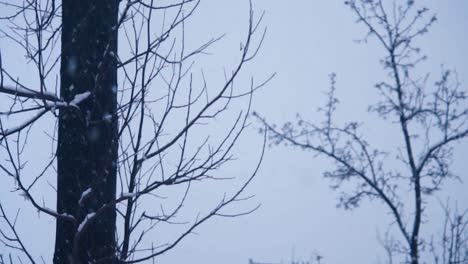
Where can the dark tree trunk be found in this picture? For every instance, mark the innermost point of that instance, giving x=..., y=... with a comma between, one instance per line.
x=87, y=137
x=414, y=253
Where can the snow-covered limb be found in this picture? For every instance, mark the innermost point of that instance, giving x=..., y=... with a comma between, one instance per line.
x=85, y=221
x=84, y=195
x=54, y=213
x=50, y=211
x=9, y=131
x=67, y=215
x=56, y=104
x=79, y=98
x=25, y=92
x=53, y=105
x=107, y=118
x=128, y=195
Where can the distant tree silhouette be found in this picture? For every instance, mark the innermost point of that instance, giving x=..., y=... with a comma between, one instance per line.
x=431, y=118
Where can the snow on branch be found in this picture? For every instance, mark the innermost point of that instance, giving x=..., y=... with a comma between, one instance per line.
x=128, y=195
x=26, y=123
x=85, y=221
x=84, y=195
x=79, y=98
x=26, y=92
x=56, y=104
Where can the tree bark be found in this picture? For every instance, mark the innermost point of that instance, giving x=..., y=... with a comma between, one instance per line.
x=87, y=136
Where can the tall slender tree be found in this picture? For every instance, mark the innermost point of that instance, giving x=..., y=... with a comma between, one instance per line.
x=87, y=143
x=128, y=124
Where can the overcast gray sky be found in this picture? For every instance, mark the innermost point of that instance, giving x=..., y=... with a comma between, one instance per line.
x=306, y=40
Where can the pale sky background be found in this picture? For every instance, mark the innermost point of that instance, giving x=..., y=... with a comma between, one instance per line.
x=306, y=40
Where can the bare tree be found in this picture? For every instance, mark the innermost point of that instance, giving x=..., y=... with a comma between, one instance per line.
x=451, y=246
x=430, y=117
x=128, y=126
